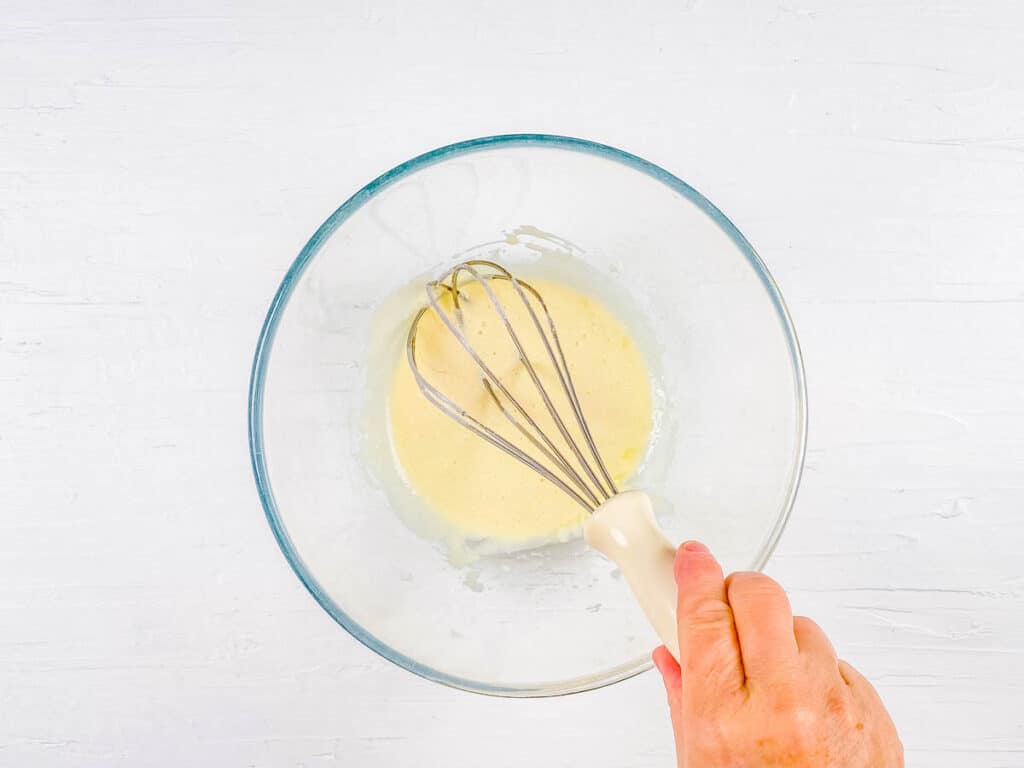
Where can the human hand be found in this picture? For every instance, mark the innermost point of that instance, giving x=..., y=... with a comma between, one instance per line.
x=759, y=688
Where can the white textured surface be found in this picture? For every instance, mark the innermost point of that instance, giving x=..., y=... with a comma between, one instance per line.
x=161, y=164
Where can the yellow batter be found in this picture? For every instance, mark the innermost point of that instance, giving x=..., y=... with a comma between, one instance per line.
x=477, y=489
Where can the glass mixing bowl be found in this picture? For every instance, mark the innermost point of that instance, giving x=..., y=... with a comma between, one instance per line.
x=723, y=467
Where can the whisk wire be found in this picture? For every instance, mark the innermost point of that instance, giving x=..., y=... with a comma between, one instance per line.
x=489, y=374
x=583, y=493
x=557, y=459
x=527, y=363
x=450, y=408
x=564, y=377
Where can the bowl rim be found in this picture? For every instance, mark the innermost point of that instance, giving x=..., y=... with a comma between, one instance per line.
x=264, y=346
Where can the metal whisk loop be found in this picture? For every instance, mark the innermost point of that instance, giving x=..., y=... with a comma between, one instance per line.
x=489, y=375
x=564, y=377
x=448, y=407
x=583, y=493
x=525, y=360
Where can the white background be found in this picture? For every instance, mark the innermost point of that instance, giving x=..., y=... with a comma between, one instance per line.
x=162, y=163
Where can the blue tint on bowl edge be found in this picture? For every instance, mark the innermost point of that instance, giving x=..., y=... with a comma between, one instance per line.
x=335, y=220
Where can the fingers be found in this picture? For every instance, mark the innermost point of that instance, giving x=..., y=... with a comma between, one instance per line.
x=708, y=651
x=817, y=652
x=670, y=676
x=811, y=640
x=862, y=690
x=669, y=669
x=851, y=676
x=764, y=625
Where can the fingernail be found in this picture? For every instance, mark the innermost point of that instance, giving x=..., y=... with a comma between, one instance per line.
x=695, y=546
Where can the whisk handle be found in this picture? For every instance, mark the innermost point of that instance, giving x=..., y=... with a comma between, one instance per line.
x=624, y=530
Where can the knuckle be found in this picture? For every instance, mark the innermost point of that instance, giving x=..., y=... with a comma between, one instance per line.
x=837, y=705
x=711, y=672
x=807, y=727
x=805, y=730
x=785, y=700
x=805, y=625
x=747, y=585
x=707, y=613
x=796, y=736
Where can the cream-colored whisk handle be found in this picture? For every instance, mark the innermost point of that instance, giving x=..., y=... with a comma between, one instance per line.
x=624, y=529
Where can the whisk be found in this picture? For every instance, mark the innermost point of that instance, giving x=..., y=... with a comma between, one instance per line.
x=621, y=524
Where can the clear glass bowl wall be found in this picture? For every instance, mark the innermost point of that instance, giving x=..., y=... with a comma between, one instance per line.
x=725, y=467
